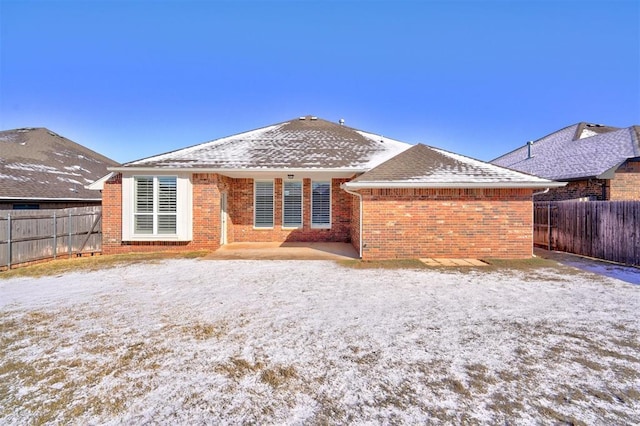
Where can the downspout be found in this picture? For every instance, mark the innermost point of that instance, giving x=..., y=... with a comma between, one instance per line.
x=360, y=231
x=540, y=192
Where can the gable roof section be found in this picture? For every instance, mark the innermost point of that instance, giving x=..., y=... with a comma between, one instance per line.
x=38, y=164
x=581, y=151
x=426, y=167
x=303, y=143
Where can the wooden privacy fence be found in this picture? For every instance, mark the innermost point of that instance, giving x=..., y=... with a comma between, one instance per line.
x=32, y=235
x=607, y=230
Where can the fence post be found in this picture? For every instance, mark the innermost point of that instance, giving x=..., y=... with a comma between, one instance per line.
x=549, y=225
x=55, y=235
x=8, y=241
x=69, y=225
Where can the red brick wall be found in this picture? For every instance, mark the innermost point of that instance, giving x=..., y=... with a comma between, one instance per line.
x=455, y=223
x=207, y=188
x=112, y=215
x=206, y=216
x=592, y=189
x=626, y=183
x=241, y=212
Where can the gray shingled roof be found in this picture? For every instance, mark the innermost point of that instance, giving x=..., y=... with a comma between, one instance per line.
x=580, y=151
x=301, y=143
x=424, y=166
x=36, y=163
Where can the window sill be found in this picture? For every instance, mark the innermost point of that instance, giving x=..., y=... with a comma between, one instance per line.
x=290, y=228
x=263, y=228
x=320, y=226
x=135, y=238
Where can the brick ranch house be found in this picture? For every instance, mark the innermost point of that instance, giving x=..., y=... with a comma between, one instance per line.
x=597, y=162
x=312, y=180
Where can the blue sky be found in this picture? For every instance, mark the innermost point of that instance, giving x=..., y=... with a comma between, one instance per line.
x=131, y=79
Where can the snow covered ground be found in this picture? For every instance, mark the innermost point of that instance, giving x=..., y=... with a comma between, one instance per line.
x=293, y=342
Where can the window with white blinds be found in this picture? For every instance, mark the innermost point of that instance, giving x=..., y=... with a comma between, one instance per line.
x=143, y=217
x=292, y=204
x=263, y=204
x=167, y=202
x=155, y=205
x=321, y=204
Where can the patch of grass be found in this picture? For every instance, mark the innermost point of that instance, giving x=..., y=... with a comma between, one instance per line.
x=204, y=331
x=504, y=407
x=524, y=265
x=457, y=386
x=528, y=264
x=238, y=367
x=50, y=388
x=559, y=418
x=93, y=263
x=479, y=378
x=587, y=363
x=278, y=376
x=383, y=264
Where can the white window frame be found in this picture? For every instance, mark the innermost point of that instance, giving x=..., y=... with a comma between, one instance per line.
x=155, y=212
x=184, y=209
x=255, y=203
x=293, y=225
x=322, y=225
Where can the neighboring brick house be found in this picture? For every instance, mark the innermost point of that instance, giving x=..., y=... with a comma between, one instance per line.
x=40, y=169
x=313, y=180
x=597, y=162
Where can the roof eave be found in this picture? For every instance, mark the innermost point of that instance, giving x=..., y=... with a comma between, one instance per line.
x=461, y=185
x=98, y=185
x=48, y=199
x=237, y=170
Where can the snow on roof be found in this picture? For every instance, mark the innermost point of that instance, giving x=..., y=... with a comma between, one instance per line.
x=305, y=143
x=424, y=166
x=575, y=152
x=36, y=163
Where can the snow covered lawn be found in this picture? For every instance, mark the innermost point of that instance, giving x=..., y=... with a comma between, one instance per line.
x=292, y=342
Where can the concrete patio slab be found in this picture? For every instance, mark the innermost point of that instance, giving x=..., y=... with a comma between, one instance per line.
x=285, y=251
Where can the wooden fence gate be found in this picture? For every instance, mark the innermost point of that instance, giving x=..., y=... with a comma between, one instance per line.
x=607, y=230
x=32, y=235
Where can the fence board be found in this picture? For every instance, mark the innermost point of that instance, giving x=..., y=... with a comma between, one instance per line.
x=607, y=230
x=42, y=234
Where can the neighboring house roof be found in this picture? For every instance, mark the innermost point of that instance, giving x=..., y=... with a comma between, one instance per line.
x=307, y=143
x=423, y=166
x=580, y=151
x=37, y=164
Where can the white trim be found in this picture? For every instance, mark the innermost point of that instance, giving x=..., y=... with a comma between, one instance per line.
x=457, y=185
x=98, y=185
x=248, y=173
x=224, y=217
x=184, y=210
x=361, y=216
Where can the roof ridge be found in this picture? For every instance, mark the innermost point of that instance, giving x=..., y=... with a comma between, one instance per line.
x=537, y=140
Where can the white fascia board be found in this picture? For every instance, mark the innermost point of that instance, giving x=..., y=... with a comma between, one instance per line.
x=262, y=173
x=461, y=185
x=98, y=185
